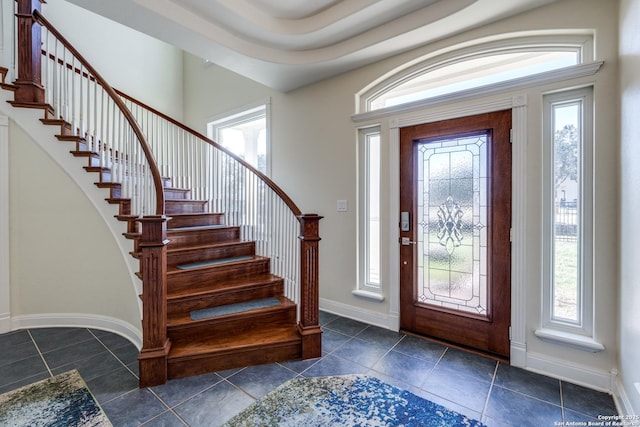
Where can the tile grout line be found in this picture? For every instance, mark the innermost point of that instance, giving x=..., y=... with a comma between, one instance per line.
x=486, y=402
x=46, y=365
x=113, y=354
x=562, y=402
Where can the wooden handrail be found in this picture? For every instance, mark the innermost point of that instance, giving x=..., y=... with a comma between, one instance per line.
x=276, y=189
x=155, y=172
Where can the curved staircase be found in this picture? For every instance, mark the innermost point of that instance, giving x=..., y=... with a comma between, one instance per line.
x=211, y=301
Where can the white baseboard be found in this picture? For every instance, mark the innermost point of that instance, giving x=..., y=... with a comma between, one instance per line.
x=518, y=356
x=382, y=320
x=623, y=403
x=79, y=320
x=596, y=379
x=5, y=323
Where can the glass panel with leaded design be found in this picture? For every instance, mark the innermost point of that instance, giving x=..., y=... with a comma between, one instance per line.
x=452, y=223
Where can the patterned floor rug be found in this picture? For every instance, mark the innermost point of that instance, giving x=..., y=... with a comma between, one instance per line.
x=350, y=400
x=63, y=400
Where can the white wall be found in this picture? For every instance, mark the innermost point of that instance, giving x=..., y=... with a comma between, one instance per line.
x=629, y=315
x=139, y=65
x=314, y=159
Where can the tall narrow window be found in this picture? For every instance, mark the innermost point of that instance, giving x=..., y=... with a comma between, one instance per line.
x=245, y=133
x=369, y=213
x=568, y=211
x=373, y=209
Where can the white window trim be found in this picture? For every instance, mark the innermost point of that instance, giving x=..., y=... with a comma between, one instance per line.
x=364, y=289
x=242, y=114
x=578, y=334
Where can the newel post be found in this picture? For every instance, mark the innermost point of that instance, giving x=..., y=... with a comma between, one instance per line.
x=153, y=262
x=29, y=80
x=309, y=326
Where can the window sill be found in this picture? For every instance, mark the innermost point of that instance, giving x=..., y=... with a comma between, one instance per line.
x=374, y=296
x=572, y=340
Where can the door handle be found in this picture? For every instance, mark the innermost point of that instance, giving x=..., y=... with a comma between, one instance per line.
x=405, y=241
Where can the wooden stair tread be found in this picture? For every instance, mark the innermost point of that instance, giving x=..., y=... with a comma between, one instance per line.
x=178, y=320
x=226, y=344
x=230, y=285
x=9, y=87
x=171, y=270
x=47, y=108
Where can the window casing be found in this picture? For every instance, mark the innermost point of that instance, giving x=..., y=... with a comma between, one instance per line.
x=246, y=133
x=568, y=211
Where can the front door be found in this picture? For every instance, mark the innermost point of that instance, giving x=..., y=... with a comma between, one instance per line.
x=455, y=251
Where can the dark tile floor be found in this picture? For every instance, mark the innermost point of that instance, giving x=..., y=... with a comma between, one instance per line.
x=495, y=393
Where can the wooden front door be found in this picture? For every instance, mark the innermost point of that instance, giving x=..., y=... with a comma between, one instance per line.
x=455, y=250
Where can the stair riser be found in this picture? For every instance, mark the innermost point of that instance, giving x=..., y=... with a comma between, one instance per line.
x=186, y=305
x=212, y=363
x=201, y=237
x=196, y=220
x=184, y=206
x=234, y=325
x=211, y=253
x=216, y=275
x=174, y=193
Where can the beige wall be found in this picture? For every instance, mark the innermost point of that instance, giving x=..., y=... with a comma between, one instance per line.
x=64, y=260
x=314, y=159
x=146, y=68
x=69, y=263
x=629, y=315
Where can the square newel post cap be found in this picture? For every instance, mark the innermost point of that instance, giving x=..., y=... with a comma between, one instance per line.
x=154, y=230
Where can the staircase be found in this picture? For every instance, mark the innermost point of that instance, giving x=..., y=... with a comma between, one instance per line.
x=211, y=301
x=209, y=266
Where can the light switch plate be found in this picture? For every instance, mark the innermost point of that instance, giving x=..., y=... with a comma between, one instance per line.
x=342, y=206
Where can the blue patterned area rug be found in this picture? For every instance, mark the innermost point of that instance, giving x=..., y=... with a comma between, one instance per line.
x=349, y=400
x=63, y=400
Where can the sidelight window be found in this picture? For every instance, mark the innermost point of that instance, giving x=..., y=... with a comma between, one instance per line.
x=568, y=235
x=369, y=213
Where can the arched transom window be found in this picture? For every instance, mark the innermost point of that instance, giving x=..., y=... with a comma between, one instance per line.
x=477, y=66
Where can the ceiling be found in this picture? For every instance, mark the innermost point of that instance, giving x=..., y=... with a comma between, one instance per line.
x=286, y=44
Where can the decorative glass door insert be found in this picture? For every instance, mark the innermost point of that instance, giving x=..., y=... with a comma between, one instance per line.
x=452, y=223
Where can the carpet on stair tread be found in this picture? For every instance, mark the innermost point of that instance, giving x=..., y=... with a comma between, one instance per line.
x=211, y=262
x=207, y=313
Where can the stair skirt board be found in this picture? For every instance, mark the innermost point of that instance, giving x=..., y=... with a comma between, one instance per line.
x=212, y=262
x=207, y=313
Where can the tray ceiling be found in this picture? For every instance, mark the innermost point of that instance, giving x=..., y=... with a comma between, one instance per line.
x=286, y=44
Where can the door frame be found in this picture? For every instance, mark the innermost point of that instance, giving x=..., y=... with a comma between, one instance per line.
x=518, y=105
